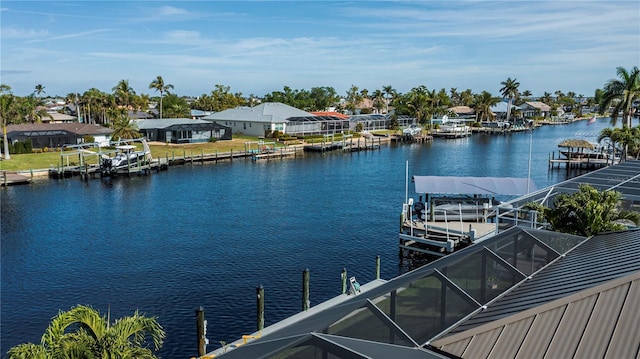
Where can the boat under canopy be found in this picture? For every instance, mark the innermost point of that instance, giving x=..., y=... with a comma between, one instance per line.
x=473, y=185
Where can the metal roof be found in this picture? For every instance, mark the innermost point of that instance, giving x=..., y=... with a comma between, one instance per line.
x=268, y=112
x=600, y=259
x=177, y=124
x=475, y=185
x=599, y=322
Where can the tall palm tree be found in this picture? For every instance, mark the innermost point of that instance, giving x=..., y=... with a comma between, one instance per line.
x=159, y=85
x=510, y=91
x=123, y=93
x=378, y=100
x=6, y=109
x=39, y=90
x=621, y=93
x=389, y=93
x=94, y=337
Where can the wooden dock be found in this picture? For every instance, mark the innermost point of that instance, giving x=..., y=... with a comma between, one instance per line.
x=584, y=163
x=10, y=178
x=349, y=145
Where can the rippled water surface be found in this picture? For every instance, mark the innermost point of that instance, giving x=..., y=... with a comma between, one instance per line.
x=207, y=235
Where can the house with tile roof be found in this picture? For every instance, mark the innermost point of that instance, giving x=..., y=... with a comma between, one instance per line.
x=535, y=108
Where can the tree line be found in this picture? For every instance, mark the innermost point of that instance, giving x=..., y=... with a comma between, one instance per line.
x=115, y=109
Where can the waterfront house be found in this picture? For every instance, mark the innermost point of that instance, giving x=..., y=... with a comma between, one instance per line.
x=535, y=108
x=55, y=135
x=260, y=120
x=463, y=112
x=500, y=110
x=182, y=130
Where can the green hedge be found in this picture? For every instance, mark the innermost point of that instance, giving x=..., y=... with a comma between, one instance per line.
x=20, y=147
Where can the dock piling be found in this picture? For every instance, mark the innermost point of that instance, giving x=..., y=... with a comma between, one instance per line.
x=260, y=307
x=201, y=331
x=344, y=280
x=377, y=267
x=305, y=290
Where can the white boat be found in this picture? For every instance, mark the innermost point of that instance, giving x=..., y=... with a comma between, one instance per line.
x=412, y=130
x=126, y=157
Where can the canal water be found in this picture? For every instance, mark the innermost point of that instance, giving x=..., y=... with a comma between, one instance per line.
x=207, y=235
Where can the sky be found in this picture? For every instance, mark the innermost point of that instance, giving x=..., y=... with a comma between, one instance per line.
x=257, y=47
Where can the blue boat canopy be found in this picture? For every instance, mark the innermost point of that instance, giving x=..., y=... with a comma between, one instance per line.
x=473, y=185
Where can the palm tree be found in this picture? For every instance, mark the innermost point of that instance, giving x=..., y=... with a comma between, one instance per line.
x=123, y=127
x=94, y=337
x=418, y=103
x=158, y=85
x=586, y=212
x=124, y=93
x=39, y=90
x=389, y=93
x=6, y=109
x=482, y=104
x=510, y=91
x=378, y=100
x=621, y=93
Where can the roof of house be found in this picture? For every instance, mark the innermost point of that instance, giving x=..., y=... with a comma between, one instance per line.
x=268, y=112
x=56, y=116
x=174, y=123
x=460, y=110
x=44, y=129
x=501, y=107
x=329, y=113
x=582, y=305
x=538, y=105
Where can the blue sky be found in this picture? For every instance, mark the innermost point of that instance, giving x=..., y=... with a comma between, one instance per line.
x=256, y=47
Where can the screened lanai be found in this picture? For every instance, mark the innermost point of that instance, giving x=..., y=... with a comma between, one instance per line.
x=399, y=318
x=316, y=125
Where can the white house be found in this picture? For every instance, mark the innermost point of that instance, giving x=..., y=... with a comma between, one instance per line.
x=258, y=120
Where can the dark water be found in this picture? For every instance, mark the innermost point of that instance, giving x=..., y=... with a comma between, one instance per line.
x=208, y=235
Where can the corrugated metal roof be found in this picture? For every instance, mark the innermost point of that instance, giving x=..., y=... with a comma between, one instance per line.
x=597, y=260
x=600, y=322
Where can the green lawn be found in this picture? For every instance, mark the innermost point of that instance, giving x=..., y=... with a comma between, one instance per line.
x=46, y=160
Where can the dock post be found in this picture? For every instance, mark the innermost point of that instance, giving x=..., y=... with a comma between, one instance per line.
x=201, y=331
x=202, y=156
x=31, y=171
x=260, y=307
x=344, y=280
x=191, y=157
x=231, y=156
x=377, y=267
x=305, y=290
x=4, y=178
